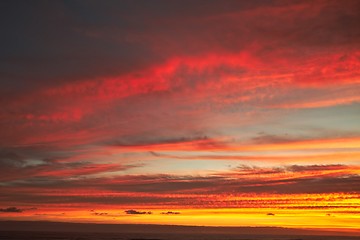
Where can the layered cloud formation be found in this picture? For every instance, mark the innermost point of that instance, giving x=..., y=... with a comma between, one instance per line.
x=162, y=106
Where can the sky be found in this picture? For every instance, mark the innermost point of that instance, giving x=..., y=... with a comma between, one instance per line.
x=213, y=113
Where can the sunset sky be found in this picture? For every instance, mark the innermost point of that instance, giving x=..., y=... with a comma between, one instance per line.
x=215, y=113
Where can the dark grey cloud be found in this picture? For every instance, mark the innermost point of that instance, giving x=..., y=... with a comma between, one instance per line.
x=10, y=159
x=100, y=213
x=46, y=42
x=135, y=212
x=21, y=157
x=315, y=184
x=78, y=200
x=134, y=141
x=51, y=42
x=249, y=170
x=245, y=170
x=304, y=168
x=170, y=213
x=44, y=164
x=11, y=210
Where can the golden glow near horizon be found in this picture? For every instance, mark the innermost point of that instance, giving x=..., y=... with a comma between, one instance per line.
x=325, y=211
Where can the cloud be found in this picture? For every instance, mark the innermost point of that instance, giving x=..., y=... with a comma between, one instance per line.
x=164, y=144
x=285, y=159
x=131, y=211
x=131, y=63
x=170, y=213
x=253, y=187
x=26, y=162
x=155, y=141
x=186, y=190
x=11, y=210
x=179, y=81
x=317, y=168
x=53, y=170
x=264, y=138
x=100, y=213
x=270, y=214
x=10, y=159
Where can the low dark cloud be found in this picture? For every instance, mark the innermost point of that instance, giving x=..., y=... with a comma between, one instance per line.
x=10, y=159
x=270, y=214
x=316, y=168
x=244, y=170
x=170, y=213
x=100, y=213
x=38, y=162
x=131, y=211
x=11, y=210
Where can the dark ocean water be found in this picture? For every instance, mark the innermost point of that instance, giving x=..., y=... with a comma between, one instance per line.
x=133, y=236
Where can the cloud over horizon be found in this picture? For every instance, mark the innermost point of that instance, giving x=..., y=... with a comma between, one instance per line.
x=132, y=212
x=11, y=210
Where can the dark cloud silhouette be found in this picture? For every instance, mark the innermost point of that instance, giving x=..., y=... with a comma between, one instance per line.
x=170, y=213
x=11, y=210
x=304, y=168
x=10, y=158
x=249, y=170
x=131, y=211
